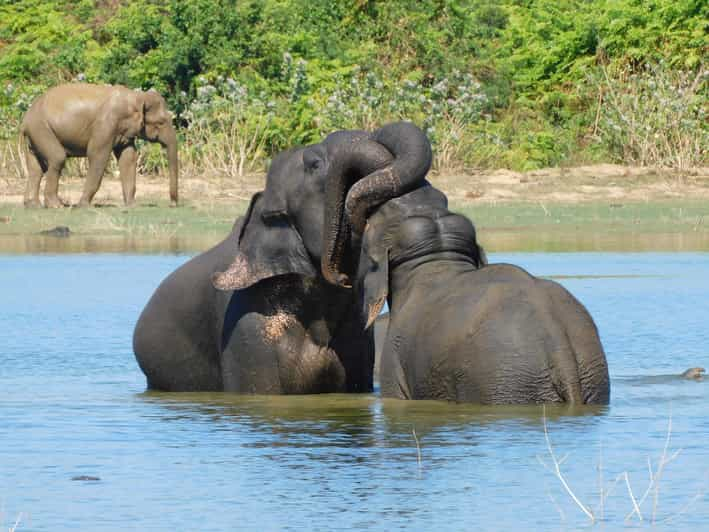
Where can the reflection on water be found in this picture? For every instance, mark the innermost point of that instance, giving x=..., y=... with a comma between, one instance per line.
x=74, y=405
x=500, y=240
x=77, y=243
x=320, y=415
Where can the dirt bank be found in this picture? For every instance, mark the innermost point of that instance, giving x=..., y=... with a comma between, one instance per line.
x=604, y=182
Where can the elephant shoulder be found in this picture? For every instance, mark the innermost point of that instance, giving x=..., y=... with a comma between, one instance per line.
x=505, y=273
x=564, y=303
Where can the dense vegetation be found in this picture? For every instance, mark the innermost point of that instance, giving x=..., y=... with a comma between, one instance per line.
x=516, y=83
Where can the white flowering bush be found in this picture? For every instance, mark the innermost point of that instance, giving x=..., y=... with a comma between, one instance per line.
x=654, y=116
x=227, y=128
x=14, y=102
x=446, y=109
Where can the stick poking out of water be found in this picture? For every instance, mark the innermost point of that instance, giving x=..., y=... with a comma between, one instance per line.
x=556, y=470
x=418, y=447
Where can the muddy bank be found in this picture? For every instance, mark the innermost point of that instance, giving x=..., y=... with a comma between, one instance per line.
x=593, y=208
x=602, y=182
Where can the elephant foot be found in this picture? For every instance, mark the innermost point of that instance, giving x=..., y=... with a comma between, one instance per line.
x=33, y=204
x=54, y=203
x=173, y=203
x=83, y=204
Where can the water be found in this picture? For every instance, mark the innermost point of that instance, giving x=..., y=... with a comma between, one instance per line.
x=73, y=404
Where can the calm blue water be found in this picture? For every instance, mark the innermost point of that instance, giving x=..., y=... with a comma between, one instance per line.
x=72, y=403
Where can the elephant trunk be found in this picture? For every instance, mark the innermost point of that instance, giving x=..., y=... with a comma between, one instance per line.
x=350, y=162
x=169, y=140
x=358, y=196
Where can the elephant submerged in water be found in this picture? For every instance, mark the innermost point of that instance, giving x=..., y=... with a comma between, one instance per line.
x=93, y=121
x=458, y=329
x=254, y=314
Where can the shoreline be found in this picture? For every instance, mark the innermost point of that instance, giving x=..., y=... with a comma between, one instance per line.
x=590, y=208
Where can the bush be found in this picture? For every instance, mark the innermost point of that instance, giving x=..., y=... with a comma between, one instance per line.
x=655, y=116
x=493, y=82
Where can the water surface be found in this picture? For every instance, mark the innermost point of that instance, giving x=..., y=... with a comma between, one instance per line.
x=73, y=404
x=501, y=239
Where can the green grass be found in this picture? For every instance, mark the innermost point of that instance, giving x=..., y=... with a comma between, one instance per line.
x=631, y=226
x=658, y=216
x=149, y=220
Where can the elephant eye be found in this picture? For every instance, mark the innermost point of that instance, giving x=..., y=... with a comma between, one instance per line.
x=270, y=216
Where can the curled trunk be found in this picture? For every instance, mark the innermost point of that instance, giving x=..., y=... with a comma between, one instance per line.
x=362, y=176
x=349, y=163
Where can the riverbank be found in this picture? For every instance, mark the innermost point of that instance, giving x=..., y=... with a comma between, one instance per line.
x=595, y=208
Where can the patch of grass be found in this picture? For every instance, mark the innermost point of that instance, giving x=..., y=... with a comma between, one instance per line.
x=658, y=216
x=195, y=226
x=150, y=220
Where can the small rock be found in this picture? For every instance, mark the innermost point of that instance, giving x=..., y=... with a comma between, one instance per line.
x=5, y=219
x=86, y=478
x=60, y=231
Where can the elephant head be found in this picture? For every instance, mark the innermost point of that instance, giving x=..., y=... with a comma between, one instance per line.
x=282, y=231
x=158, y=127
x=401, y=155
x=404, y=233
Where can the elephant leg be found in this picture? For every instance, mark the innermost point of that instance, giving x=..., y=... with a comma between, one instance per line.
x=55, y=165
x=585, y=344
x=98, y=159
x=127, y=160
x=35, y=170
x=47, y=153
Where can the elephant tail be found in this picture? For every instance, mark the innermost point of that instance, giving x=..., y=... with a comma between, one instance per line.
x=565, y=375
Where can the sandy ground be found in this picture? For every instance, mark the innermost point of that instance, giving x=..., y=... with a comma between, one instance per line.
x=604, y=182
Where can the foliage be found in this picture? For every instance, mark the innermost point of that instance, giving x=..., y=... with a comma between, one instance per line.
x=228, y=128
x=494, y=82
x=654, y=117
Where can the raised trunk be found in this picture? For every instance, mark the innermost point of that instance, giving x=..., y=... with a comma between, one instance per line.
x=348, y=164
x=350, y=197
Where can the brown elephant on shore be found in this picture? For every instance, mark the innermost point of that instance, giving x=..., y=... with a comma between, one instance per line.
x=85, y=120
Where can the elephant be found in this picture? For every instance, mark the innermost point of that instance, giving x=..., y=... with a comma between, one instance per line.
x=87, y=120
x=254, y=314
x=696, y=374
x=459, y=329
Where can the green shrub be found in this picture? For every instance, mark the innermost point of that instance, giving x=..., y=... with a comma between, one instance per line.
x=493, y=82
x=655, y=116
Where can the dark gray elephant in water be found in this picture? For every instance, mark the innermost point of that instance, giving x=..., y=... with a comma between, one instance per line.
x=272, y=325
x=458, y=329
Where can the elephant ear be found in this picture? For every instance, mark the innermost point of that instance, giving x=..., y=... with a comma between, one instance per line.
x=153, y=103
x=268, y=246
